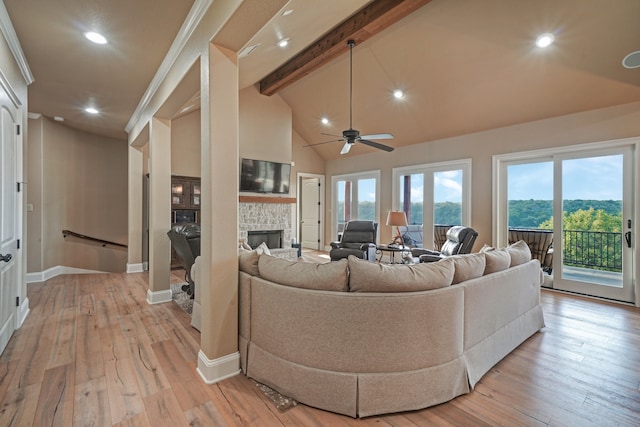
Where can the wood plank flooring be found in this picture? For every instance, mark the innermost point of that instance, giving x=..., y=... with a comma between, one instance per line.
x=92, y=352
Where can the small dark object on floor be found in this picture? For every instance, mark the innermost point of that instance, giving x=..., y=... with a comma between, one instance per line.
x=283, y=403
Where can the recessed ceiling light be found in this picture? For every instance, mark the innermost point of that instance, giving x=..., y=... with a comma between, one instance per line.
x=96, y=37
x=283, y=42
x=287, y=12
x=58, y=118
x=91, y=110
x=398, y=94
x=325, y=121
x=545, y=40
x=632, y=60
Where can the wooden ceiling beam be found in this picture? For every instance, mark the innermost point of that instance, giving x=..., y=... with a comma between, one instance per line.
x=368, y=21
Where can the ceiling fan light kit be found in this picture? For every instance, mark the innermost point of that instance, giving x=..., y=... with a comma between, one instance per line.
x=351, y=136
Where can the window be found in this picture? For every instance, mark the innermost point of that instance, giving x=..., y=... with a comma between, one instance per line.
x=433, y=195
x=355, y=197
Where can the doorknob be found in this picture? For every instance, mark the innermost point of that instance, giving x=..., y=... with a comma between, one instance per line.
x=5, y=258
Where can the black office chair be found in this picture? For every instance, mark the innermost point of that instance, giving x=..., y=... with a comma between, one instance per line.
x=358, y=239
x=185, y=240
x=459, y=241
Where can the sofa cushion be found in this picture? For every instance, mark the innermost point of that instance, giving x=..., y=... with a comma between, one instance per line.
x=365, y=276
x=519, y=252
x=332, y=276
x=468, y=266
x=248, y=262
x=496, y=259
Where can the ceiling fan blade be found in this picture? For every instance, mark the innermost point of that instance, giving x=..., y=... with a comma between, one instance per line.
x=376, y=145
x=323, y=142
x=346, y=148
x=330, y=134
x=377, y=136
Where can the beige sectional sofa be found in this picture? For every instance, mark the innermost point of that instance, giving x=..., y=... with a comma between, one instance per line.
x=361, y=338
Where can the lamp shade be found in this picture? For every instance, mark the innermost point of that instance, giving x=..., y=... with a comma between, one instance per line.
x=397, y=218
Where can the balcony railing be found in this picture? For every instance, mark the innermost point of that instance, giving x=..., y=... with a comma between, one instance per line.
x=592, y=249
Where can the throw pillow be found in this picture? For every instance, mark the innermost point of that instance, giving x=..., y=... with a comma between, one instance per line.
x=263, y=249
x=496, y=260
x=365, y=276
x=244, y=245
x=519, y=252
x=468, y=266
x=332, y=276
x=248, y=262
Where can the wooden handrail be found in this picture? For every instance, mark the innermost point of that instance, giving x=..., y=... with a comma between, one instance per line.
x=104, y=243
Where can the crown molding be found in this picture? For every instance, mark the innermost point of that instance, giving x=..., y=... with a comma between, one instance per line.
x=189, y=25
x=14, y=44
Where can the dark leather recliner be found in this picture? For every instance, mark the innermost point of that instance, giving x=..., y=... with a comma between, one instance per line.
x=185, y=240
x=358, y=239
x=460, y=240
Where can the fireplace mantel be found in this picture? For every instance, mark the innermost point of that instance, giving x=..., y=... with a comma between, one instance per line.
x=266, y=199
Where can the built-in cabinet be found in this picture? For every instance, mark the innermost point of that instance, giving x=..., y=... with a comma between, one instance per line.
x=185, y=199
x=185, y=205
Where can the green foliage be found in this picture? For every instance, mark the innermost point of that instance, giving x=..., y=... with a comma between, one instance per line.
x=588, y=220
x=532, y=213
x=592, y=238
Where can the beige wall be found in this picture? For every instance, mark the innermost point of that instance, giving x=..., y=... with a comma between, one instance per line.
x=265, y=127
x=306, y=160
x=34, y=195
x=592, y=126
x=83, y=188
x=185, y=145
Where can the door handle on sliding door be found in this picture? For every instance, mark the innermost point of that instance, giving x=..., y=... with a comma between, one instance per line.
x=627, y=237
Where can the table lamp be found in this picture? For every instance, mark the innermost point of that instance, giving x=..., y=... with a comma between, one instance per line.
x=397, y=218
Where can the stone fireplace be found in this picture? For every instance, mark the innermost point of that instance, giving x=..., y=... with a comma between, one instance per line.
x=272, y=218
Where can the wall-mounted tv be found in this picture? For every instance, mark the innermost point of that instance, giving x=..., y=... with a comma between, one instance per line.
x=261, y=176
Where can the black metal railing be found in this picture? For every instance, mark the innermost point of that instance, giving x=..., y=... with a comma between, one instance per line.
x=104, y=243
x=592, y=249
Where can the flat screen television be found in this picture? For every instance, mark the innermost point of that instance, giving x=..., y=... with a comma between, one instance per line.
x=261, y=176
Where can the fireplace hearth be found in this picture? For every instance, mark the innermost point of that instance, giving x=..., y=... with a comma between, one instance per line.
x=273, y=238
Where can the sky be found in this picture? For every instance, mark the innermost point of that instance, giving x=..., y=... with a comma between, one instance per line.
x=595, y=178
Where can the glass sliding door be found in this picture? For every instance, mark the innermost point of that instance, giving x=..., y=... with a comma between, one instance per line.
x=435, y=196
x=581, y=198
x=355, y=197
x=593, y=217
x=447, y=197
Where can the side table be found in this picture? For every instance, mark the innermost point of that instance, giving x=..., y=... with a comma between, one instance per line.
x=392, y=250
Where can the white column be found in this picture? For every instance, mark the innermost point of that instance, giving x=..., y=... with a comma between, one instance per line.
x=159, y=211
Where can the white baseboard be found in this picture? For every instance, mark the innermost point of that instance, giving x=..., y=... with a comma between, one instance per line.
x=57, y=271
x=213, y=371
x=158, y=297
x=135, y=268
x=23, y=311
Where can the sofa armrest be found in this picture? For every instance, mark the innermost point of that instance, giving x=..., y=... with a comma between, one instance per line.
x=335, y=245
x=430, y=258
x=416, y=252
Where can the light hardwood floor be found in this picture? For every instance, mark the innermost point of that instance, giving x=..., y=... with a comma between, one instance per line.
x=93, y=353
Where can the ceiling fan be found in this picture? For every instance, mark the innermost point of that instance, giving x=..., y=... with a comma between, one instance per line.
x=351, y=135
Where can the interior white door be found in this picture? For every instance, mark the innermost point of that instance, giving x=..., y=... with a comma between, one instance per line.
x=8, y=221
x=310, y=213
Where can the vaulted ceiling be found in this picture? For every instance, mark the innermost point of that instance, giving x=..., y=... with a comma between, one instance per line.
x=465, y=66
